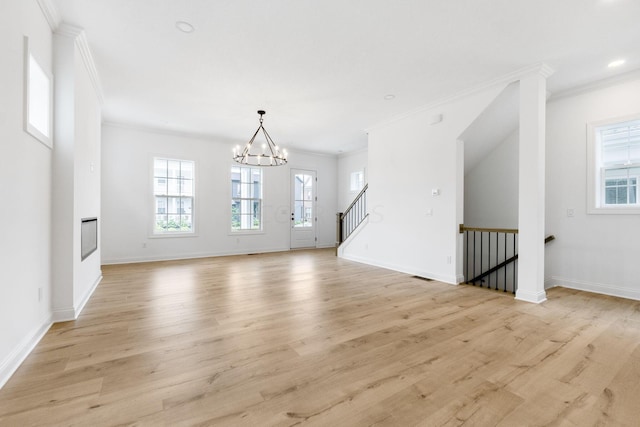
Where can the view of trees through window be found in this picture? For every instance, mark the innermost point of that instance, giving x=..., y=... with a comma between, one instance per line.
x=246, y=198
x=173, y=184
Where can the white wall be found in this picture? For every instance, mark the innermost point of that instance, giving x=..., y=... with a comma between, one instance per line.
x=25, y=173
x=409, y=229
x=86, y=170
x=347, y=163
x=127, y=203
x=491, y=188
x=592, y=252
x=76, y=187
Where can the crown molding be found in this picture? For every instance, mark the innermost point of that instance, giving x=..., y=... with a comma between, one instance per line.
x=80, y=39
x=353, y=152
x=169, y=132
x=199, y=136
x=542, y=69
x=50, y=13
x=598, y=84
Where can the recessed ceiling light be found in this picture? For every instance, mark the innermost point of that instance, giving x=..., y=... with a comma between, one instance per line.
x=616, y=63
x=389, y=97
x=185, y=27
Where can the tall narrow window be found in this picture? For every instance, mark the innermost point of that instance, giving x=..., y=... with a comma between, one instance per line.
x=615, y=166
x=357, y=181
x=173, y=191
x=246, y=198
x=38, y=98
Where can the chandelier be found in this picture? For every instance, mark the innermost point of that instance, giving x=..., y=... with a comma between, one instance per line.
x=268, y=154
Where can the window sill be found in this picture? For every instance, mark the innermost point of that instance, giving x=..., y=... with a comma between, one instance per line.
x=246, y=232
x=629, y=210
x=172, y=235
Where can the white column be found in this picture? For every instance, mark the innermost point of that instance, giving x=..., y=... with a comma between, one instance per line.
x=531, y=206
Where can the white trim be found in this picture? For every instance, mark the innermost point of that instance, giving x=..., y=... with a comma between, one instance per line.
x=72, y=313
x=50, y=13
x=80, y=306
x=595, y=184
x=598, y=288
x=353, y=152
x=597, y=85
x=195, y=214
x=533, y=297
x=451, y=280
x=193, y=255
x=80, y=39
x=206, y=137
x=14, y=359
x=314, y=202
x=542, y=69
x=63, y=315
x=230, y=198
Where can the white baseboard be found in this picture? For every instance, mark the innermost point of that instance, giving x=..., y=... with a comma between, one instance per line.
x=80, y=306
x=71, y=313
x=599, y=288
x=63, y=315
x=533, y=297
x=13, y=361
x=452, y=280
x=133, y=260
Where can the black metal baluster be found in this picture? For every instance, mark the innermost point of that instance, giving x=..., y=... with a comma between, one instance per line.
x=466, y=263
x=474, y=256
x=481, y=253
x=505, y=258
x=514, y=264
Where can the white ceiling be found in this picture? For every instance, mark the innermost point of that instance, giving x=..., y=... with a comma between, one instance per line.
x=321, y=69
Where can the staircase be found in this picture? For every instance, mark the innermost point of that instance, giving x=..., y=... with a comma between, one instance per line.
x=349, y=220
x=490, y=257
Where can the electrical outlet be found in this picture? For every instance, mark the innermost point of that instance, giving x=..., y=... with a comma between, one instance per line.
x=449, y=259
x=39, y=294
x=571, y=212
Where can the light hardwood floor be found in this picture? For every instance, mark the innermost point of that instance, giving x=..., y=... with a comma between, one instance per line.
x=307, y=338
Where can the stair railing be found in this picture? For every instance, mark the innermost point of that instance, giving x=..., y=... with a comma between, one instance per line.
x=352, y=217
x=490, y=257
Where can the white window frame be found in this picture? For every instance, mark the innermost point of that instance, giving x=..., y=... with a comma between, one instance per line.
x=155, y=233
x=596, y=171
x=239, y=231
x=38, y=98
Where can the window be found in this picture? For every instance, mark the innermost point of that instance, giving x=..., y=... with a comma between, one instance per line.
x=173, y=184
x=38, y=98
x=620, y=191
x=303, y=199
x=614, y=159
x=246, y=198
x=357, y=181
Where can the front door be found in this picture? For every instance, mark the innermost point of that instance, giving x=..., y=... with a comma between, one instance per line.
x=303, y=209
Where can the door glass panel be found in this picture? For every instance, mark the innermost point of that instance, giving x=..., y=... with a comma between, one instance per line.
x=303, y=200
